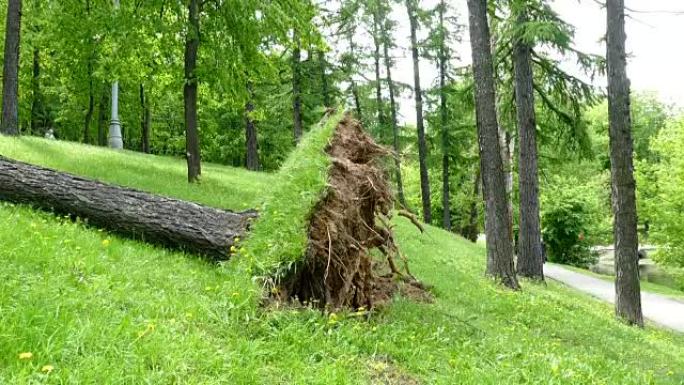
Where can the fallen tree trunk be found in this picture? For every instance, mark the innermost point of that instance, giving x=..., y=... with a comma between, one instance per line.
x=165, y=221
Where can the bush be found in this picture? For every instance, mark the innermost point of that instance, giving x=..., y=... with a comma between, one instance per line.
x=565, y=220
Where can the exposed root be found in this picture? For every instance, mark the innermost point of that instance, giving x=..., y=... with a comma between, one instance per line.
x=351, y=220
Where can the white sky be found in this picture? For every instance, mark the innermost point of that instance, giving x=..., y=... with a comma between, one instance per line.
x=654, y=38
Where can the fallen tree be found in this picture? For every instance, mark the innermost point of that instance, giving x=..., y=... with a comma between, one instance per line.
x=166, y=221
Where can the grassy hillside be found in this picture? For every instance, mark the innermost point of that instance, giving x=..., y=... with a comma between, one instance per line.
x=224, y=187
x=101, y=309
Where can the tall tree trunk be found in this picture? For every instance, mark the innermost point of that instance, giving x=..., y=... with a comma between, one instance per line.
x=627, y=286
x=499, y=246
x=102, y=118
x=325, y=88
x=37, y=113
x=530, y=259
x=422, y=146
x=192, y=41
x=10, y=71
x=251, y=142
x=378, y=84
x=395, y=126
x=91, y=104
x=444, y=117
x=296, y=88
x=145, y=121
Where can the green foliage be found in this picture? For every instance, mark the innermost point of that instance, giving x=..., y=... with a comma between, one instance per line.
x=566, y=220
x=661, y=193
x=278, y=239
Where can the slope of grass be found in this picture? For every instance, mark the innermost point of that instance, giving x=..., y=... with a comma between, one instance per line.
x=222, y=187
x=278, y=239
x=104, y=310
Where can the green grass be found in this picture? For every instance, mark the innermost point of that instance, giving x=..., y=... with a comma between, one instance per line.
x=645, y=285
x=222, y=187
x=278, y=239
x=105, y=310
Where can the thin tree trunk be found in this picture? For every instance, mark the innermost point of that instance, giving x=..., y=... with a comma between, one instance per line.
x=37, y=113
x=145, y=121
x=354, y=87
x=192, y=41
x=444, y=116
x=395, y=126
x=499, y=246
x=325, y=88
x=530, y=259
x=296, y=88
x=378, y=84
x=472, y=230
x=627, y=286
x=422, y=145
x=10, y=72
x=102, y=118
x=91, y=104
x=251, y=142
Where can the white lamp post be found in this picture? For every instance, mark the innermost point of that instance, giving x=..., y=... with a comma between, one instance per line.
x=115, y=140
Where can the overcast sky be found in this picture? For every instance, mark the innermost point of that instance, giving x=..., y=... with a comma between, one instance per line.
x=655, y=34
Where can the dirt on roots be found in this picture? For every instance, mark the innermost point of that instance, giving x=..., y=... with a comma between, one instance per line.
x=352, y=219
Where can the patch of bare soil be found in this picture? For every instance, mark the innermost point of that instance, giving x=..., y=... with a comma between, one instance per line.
x=351, y=220
x=383, y=372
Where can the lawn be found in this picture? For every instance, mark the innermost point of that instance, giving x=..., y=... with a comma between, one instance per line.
x=101, y=309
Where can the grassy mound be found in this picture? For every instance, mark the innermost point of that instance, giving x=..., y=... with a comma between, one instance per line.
x=100, y=309
x=278, y=239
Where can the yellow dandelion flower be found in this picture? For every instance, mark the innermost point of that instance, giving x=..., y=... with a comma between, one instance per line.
x=106, y=242
x=47, y=369
x=233, y=249
x=25, y=356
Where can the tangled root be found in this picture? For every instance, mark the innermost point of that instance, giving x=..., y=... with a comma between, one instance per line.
x=352, y=219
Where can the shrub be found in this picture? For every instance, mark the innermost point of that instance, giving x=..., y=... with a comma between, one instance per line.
x=565, y=222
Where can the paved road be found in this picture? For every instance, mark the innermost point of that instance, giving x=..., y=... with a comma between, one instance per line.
x=657, y=308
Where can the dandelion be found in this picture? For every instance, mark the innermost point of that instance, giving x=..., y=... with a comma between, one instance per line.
x=233, y=249
x=25, y=356
x=106, y=242
x=47, y=369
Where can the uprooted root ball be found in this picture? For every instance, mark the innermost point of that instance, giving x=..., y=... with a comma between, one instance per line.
x=351, y=220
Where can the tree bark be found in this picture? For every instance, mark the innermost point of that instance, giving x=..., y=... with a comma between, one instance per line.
x=499, y=246
x=10, y=72
x=627, y=286
x=471, y=231
x=530, y=259
x=192, y=42
x=91, y=104
x=395, y=126
x=165, y=221
x=422, y=145
x=251, y=142
x=444, y=117
x=144, y=121
x=296, y=88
